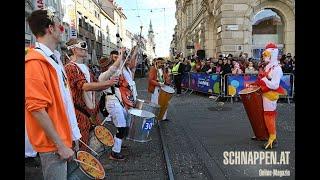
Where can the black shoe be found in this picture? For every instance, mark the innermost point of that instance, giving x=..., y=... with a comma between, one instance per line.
x=116, y=156
x=32, y=162
x=166, y=119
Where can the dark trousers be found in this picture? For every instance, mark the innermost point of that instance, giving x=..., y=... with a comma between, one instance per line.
x=177, y=81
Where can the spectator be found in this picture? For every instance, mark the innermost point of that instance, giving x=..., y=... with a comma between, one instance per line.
x=250, y=69
x=229, y=61
x=198, y=65
x=287, y=66
x=206, y=66
x=212, y=69
x=219, y=66
x=236, y=69
x=187, y=66
x=193, y=64
x=226, y=68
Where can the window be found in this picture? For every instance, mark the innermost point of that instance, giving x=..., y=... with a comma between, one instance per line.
x=80, y=22
x=92, y=43
x=89, y=45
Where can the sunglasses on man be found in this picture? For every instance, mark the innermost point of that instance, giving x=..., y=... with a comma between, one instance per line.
x=81, y=45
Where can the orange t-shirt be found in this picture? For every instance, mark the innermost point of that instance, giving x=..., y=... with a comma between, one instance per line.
x=42, y=92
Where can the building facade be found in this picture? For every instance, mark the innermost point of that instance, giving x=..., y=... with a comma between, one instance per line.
x=233, y=26
x=31, y=5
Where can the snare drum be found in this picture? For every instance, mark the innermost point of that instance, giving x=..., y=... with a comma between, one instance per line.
x=252, y=102
x=140, y=126
x=148, y=106
x=83, y=171
x=100, y=139
x=166, y=92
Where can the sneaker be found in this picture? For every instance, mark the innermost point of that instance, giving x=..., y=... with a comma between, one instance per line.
x=116, y=156
x=213, y=97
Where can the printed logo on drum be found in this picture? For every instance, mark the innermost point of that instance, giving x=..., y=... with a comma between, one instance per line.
x=148, y=124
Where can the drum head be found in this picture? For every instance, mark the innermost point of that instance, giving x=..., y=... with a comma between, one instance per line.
x=104, y=135
x=249, y=90
x=90, y=159
x=168, y=89
x=141, y=113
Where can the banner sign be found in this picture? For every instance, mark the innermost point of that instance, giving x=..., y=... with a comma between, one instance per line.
x=235, y=83
x=185, y=81
x=206, y=83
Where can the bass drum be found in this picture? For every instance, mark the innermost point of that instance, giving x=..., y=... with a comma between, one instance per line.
x=252, y=102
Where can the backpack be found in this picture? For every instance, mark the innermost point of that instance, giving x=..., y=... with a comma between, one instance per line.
x=102, y=105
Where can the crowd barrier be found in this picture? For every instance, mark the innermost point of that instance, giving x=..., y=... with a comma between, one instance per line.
x=230, y=85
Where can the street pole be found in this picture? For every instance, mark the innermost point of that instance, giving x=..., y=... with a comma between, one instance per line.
x=140, y=51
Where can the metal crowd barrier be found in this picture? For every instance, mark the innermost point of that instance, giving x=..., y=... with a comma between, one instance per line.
x=287, y=82
x=229, y=82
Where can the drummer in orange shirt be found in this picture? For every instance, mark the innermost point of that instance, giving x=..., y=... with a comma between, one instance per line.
x=158, y=77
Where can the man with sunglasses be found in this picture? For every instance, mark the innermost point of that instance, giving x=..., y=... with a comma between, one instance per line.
x=51, y=122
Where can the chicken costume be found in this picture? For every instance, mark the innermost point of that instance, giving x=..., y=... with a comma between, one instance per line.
x=269, y=81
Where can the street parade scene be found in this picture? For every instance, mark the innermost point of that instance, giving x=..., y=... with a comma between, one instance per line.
x=170, y=89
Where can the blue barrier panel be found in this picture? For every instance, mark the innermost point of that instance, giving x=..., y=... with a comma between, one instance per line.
x=287, y=83
x=205, y=83
x=185, y=80
x=235, y=83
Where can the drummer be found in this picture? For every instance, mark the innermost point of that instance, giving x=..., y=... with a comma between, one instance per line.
x=269, y=81
x=158, y=78
x=114, y=104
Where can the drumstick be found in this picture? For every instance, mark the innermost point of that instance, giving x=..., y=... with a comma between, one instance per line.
x=87, y=164
x=103, y=121
x=88, y=147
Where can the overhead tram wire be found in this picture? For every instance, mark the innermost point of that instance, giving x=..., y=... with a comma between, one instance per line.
x=138, y=13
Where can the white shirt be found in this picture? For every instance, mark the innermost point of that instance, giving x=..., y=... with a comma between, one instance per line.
x=89, y=96
x=65, y=91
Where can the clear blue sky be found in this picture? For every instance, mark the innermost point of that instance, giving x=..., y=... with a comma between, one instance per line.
x=163, y=21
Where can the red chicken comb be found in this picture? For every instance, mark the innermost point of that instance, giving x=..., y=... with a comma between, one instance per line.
x=271, y=45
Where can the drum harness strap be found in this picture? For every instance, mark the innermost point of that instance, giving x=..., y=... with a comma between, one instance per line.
x=113, y=93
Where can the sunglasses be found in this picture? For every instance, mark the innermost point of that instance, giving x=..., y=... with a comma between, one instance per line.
x=81, y=45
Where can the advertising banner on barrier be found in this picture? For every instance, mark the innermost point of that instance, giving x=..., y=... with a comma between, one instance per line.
x=185, y=81
x=206, y=83
x=236, y=83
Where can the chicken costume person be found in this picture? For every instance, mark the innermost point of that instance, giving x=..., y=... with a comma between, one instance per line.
x=269, y=81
